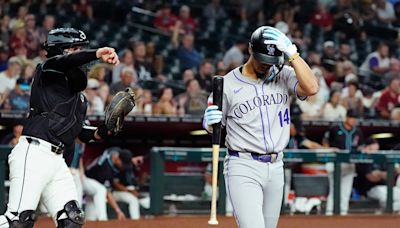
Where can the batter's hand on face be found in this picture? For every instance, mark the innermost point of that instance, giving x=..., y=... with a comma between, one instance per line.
x=108, y=55
x=281, y=41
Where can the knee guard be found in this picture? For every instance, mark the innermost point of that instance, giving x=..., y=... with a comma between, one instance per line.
x=75, y=216
x=26, y=219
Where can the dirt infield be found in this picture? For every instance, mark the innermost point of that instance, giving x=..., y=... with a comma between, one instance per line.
x=358, y=221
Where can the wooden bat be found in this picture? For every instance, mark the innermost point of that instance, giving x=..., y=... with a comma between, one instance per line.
x=218, y=85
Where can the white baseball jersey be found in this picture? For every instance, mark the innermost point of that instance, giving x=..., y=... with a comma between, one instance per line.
x=256, y=113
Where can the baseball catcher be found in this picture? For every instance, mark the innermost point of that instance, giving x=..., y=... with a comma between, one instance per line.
x=57, y=113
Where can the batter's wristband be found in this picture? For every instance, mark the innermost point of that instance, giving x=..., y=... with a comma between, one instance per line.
x=102, y=131
x=293, y=57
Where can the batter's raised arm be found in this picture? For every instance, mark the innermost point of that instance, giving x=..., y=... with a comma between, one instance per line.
x=308, y=83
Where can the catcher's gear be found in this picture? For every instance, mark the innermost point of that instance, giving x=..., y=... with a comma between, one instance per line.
x=63, y=38
x=122, y=103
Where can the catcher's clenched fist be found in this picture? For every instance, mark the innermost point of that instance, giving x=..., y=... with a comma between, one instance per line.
x=108, y=55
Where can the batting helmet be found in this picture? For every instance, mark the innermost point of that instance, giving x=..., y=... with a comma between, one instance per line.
x=63, y=38
x=266, y=54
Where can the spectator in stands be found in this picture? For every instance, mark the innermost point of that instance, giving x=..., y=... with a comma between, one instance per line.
x=351, y=100
x=323, y=92
x=311, y=108
x=193, y=101
x=346, y=19
x=221, y=68
x=3, y=57
x=104, y=168
x=322, y=18
x=32, y=36
x=98, y=72
x=389, y=99
x=83, y=8
x=9, y=77
x=40, y=57
x=12, y=138
x=144, y=102
x=48, y=24
x=27, y=72
x=204, y=77
x=395, y=114
x=345, y=71
x=345, y=53
x=165, y=20
x=154, y=59
x=333, y=110
x=345, y=136
x=166, y=104
x=20, y=17
x=144, y=70
x=328, y=58
x=5, y=29
x=377, y=62
x=371, y=179
x=126, y=61
x=187, y=76
x=189, y=25
x=214, y=10
x=385, y=12
x=128, y=79
x=300, y=40
x=95, y=103
x=367, y=12
x=188, y=56
x=234, y=57
x=370, y=99
x=18, y=39
x=18, y=99
x=126, y=191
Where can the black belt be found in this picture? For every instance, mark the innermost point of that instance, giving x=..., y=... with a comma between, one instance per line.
x=54, y=149
x=271, y=157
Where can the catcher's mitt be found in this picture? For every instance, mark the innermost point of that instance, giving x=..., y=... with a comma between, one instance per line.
x=122, y=103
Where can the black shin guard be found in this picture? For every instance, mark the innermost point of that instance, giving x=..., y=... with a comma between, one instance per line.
x=75, y=216
x=26, y=220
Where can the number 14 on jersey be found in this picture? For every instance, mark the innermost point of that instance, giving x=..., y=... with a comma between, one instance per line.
x=284, y=118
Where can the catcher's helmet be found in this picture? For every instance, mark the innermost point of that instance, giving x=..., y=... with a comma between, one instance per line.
x=266, y=54
x=63, y=38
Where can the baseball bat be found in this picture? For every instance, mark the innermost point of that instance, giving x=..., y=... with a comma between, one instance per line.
x=218, y=85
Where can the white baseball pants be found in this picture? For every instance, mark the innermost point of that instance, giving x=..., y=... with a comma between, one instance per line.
x=37, y=174
x=346, y=182
x=131, y=200
x=96, y=204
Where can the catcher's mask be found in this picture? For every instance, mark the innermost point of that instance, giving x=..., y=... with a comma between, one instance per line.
x=63, y=38
x=266, y=54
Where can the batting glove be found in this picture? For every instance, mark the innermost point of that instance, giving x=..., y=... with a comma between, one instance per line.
x=281, y=41
x=212, y=115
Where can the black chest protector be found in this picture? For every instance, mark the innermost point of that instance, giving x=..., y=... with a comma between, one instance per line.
x=54, y=98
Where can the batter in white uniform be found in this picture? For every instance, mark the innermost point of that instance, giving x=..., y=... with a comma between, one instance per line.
x=255, y=113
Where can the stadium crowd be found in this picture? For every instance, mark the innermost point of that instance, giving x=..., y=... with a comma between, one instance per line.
x=357, y=69
x=351, y=45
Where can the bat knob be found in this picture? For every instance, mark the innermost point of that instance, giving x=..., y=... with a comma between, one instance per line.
x=213, y=222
